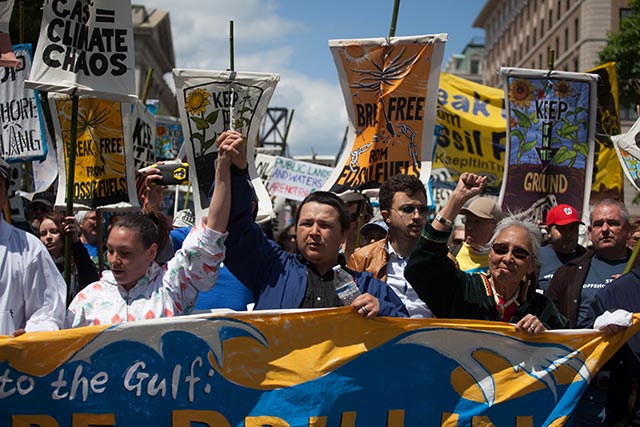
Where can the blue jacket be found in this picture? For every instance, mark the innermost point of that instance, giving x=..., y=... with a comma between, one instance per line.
x=276, y=278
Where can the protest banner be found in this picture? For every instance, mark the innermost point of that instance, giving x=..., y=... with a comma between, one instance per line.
x=211, y=102
x=627, y=147
x=86, y=48
x=550, y=139
x=298, y=368
x=143, y=135
x=471, y=138
x=169, y=137
x=294, y=180
x=390, y=88
x=6, y=8
x=22, y=135
x=607, y=171
x=264, y=167
x=104, y=168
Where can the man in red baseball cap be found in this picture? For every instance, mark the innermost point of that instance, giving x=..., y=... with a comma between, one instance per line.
x=563, y=224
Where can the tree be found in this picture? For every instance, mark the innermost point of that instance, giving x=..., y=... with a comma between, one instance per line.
x=623, y=48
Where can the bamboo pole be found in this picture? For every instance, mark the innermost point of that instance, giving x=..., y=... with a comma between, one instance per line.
x=71, y=170
x=394, y=18
x=231, y=53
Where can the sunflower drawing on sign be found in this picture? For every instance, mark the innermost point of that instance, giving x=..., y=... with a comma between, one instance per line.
x=215, y=108
x=548, y=122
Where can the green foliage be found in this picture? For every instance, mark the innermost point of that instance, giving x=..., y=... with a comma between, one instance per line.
x=623, y=48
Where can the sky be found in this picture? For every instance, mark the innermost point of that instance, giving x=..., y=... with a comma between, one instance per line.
x=290, y=37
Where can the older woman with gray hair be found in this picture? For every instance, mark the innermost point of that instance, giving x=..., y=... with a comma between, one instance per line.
x=506, y=293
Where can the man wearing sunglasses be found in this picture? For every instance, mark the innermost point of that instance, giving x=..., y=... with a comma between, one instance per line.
x=403, y=206
x=480, y=219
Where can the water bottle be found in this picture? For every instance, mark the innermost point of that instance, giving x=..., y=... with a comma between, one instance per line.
x=345, y=285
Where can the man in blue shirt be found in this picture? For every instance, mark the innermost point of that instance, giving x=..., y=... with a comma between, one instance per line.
x=563, y=223
x=279, y=279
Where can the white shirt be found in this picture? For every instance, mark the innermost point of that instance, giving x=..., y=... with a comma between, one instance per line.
x=162, y=292
x=395, y=279
x=32, y=291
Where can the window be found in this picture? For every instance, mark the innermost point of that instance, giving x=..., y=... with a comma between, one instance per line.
x=568, y=4
x=534, y=36
x=576, y=30
x=566, y=39
x=576, y=64
x=558, y=10
x=475, y=66
x=540, y=61
x=625, y=12
x=520, y=52
x=542, y=28
x=557, y=47
x=550, y=18
x=527, y=44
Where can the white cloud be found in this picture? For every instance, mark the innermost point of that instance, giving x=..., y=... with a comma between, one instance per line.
x=264, y=41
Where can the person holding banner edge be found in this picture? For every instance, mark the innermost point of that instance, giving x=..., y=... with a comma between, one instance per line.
x=279, y=279
x=506, y=293
x=136, y=287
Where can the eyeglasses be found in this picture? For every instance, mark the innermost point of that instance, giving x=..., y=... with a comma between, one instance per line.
x=410, y=209
x=517, y=252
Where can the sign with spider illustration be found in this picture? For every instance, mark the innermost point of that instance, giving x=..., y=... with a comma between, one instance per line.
x=551, y=118
x=390, y=86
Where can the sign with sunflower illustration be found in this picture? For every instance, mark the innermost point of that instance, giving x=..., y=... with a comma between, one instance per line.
x=390, y=86
x=104, y=169
x=551, y=118
x=211, y=102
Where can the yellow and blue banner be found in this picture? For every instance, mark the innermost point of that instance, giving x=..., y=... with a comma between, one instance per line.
x=472, y=135
x=298, y=368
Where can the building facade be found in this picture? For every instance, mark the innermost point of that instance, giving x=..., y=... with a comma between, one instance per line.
x=469, y=63
x=154, y=51
x=521, y=33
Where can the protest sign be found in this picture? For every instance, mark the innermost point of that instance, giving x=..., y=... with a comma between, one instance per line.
x=627, y=147
x=143, y=136
x=211, y=102
x=104, y=168
x=169, y=137
x=299, y=368
x=22, y=134
x=264, y=167
x=471, y=138
x=550, y=139
x=607, y=171
x=294, y=180
x=6, y=7
x=390, y=88
x=86, y=48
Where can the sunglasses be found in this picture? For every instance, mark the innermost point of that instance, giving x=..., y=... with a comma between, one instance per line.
x=410, y=209
x=503, y=249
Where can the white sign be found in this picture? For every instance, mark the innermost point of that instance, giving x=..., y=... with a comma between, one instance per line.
x=294, y=180
x=86, y=48
x=22, y=135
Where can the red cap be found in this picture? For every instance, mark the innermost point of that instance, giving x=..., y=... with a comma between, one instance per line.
x=562, y=215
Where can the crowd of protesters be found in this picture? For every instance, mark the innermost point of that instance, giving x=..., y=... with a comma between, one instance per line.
x=497, y=267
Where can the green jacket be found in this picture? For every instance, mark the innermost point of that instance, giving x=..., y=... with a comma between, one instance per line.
x=451, y=293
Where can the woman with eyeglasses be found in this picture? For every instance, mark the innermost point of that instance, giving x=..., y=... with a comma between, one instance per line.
x=506, y=293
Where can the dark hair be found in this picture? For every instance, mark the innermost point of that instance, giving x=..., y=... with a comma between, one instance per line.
x=408, y=184
x=151, y=226
x=327, y=198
